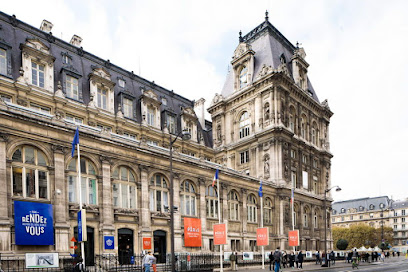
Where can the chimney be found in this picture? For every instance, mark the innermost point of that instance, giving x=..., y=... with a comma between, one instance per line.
x=199, y=111
x=46, y=26
x=76, y=40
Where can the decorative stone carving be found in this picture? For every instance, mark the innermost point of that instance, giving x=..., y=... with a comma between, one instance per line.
x=217, y=98
x=325, y=104
x=265, y=70
x=241, y=50
x=266, y=165
x=59, y=91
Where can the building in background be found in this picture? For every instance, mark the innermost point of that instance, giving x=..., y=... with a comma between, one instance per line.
x=267, y=124
x=399, y=224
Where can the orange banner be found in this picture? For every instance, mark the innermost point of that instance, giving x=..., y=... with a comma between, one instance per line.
x=147, y=243
x=220, y=234
x=262, y=237
x=294, y=238
x=192, y=232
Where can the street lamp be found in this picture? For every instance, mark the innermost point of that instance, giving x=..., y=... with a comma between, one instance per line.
x=325, y=221
x=382, y=226
x=185, y=135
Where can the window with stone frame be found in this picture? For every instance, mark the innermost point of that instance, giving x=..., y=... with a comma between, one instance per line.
x=251, y=209
x=102, y=99
x=244, y=123
x=74, y=119
x=124, y=189
x=305, y=218
x=3, y=61
x=89, y=182
x=30, y=177
x=171, y=123
x=243, y=77
x=72, y=87
x=315, y=220
x=127, y=107
x=6, y=98
x=314, y=134
x=37, y=74
x=151, y=116
x=303, y=128
x=159, y=194
x=40, y=108
x=188, y=198
x=233, y=203
x=267, y=211
x=244, y=157
x=292, y=119
x=211, y=196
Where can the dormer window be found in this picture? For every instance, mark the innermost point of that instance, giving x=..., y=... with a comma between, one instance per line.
x=151, y=116
x=72, y=87
x=164, y=101
x=102, y=98
x=37, y=74
x=243, y=77
x=189, y=127
x=128, y=108
x=121, y=83
x=371, y=207
x=3, y=62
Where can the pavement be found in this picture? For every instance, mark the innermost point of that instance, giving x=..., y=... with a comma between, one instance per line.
x=312, y=266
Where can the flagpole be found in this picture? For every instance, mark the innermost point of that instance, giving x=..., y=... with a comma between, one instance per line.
x=80, y=203
x=219, y=221
x=292, y=199
x=263, y=254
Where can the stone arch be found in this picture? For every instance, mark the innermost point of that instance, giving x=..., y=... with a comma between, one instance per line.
x=43, y=147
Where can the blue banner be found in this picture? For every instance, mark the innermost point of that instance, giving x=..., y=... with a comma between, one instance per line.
x=33, y=223
x=109, y=242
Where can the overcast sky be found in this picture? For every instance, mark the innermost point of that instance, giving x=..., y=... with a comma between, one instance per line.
x=356, y=51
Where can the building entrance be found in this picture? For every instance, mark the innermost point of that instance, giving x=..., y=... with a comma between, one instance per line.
x=160, y=245
x=89, y=246
x=125, y=245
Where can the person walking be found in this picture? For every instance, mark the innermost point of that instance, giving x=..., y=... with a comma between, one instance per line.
x=284, y=259
x=297, y=260
x=79, y=267
x=147, y=261
x=292, y=260
x=333, y=257
x=233, y=259
x=318, y=258
x=277, y=256
x=300, y=259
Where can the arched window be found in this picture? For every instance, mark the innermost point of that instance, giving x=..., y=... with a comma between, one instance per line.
x=315, y=219
x=266, y=111
x=292, y=119
x=251, y=209
x=88, y=182
x=314, y=133
x=303, y=129
x=159, y=193
x=188, y=198
x=267, y=211
x=30, y=174
x=124, y=188
x=244, y=125
x=211, y=196
x=371, y=207
x=233, y=203
x=305, y=217
x=243, y=77
x=295, y=215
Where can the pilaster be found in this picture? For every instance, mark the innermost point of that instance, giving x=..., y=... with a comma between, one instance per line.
x=145, y=218
x=5, y=229
x=107, y=226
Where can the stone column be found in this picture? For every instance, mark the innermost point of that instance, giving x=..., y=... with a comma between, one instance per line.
x=258, y=112
x=224, y=201
x=178, y=243
x=144, y=211
x=107, y=222
x=282, y=221
x=5, y=227
x=202, y=205
x=62, y=239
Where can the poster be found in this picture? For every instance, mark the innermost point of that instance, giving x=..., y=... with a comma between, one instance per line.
x=262, y=236
x=227, y=255
x=41, y=260
x=309, y=254
x=293, y=238
x=192, y=232
x=33, y=223
x=220, y=234
x=147, y=243
x=247, y=256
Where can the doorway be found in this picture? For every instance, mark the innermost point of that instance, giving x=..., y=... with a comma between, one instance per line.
x=160, y=245
x=89, y=246
x=125, y=245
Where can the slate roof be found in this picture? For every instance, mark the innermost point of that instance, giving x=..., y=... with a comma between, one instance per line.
x=362, y=202
x=268, y=44
x=400, y=204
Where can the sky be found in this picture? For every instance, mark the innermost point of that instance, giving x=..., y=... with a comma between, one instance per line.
x=355, y=48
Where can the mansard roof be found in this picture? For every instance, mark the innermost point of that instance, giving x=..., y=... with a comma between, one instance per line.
x=362, y=202
x=269, y=45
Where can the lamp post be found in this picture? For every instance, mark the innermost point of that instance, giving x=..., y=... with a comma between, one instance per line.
x=325, y=221
x=382, y=226
x=185, y=135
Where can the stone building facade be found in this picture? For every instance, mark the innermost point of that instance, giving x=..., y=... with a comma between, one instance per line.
x=399, y=224
x=267, y=124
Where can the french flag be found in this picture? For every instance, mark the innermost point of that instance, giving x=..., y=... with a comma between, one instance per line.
x=215, y=178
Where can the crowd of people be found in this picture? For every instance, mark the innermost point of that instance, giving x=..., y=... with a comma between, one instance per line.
x=281, y=259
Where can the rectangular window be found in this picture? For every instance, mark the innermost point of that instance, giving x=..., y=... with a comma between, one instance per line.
x=115, y=194
x=244, y=156
x=39, y=108
x=102, y=98
x=403, y=226
x=104, y=128
x=128, y=135
x=171, y=124
x=361, y=217
x=17, y=181
x=37, y=74
x=403, y=220
x=150, y=116
x=315, y=185
x=403, y=212
x=293, y=178
x=395, y=227
x=395, y=220
x=5, y=98
x=150, y=142
x=305, y=179
x=71, y=188
x=3, y=61
x=293, y=154
x=121, y=83
x=74, y=119
x=71, y=85
x=128, y=108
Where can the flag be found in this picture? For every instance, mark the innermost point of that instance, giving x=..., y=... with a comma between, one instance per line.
x=75, y=142
x=260, y=193
x=215, y=178
x=292, y=196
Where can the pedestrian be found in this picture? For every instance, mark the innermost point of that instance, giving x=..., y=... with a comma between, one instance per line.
x=318, y=257
x=291, y=260
x=79, y=267
x=233, y=259
x=300, y=260
x=154, y=260
x=297, y=260
x=349, y=257
x=147, y=261
x=284, y=259
x=382, y=256
x=398, y=254
x=333, y=257
x=355, y=256
x=328, y=259
x=277, y=255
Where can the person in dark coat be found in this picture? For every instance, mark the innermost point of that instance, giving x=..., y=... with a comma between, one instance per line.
x=300, y=259
x=292, y=260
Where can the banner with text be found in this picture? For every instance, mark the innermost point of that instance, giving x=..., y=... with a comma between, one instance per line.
x=33, y=223
x=82, y=233
x=147, y=243
x=262, y=236
x=294, y=238
x=192, y=232
x=220, y=234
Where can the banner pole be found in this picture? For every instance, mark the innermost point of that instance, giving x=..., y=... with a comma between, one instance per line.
x=80, y=205
x=219, y=221
x=263, y=254
x=293, y=209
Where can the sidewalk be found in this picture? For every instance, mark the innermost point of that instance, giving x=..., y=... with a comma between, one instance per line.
x=312, y=266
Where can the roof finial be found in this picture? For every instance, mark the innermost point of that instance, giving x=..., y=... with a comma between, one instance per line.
x=240, y=37
x=266, y=16
x=297, y=44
